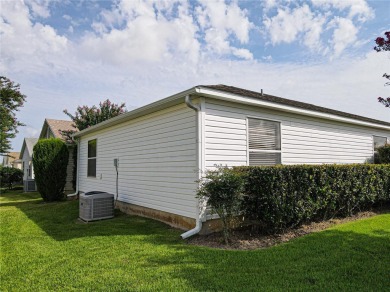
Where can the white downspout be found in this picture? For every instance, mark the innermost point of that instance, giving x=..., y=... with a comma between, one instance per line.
x=77, y=171
x=197, y=109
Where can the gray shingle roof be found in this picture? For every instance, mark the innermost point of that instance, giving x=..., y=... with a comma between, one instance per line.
x=285, y=101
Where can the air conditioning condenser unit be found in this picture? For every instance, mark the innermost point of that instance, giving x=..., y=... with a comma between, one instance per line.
x=96, y=206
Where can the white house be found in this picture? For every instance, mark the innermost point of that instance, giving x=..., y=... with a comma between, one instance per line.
x=27, y=166
x=164, y=147
x=11, y=159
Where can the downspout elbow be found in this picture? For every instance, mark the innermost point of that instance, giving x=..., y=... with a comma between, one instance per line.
x=190, y=104
x=193, y=231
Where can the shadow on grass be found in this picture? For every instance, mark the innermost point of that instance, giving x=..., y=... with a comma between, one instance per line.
x=353, y=257
x=329, y=260
x=60, y=220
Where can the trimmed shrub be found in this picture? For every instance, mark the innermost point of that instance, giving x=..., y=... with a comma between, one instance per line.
x=384, y=154
x=222, y=188
x=50, y=160
x=281, y=197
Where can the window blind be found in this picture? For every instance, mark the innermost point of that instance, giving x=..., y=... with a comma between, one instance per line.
x=264, y=143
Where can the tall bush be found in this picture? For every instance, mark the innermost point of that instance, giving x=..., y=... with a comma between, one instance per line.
x=384, y=154
x=222, y=188
x=50, y=159
x=281, y=197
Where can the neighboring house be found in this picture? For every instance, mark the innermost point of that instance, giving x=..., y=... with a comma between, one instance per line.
x=11, y=159
x=164, y=147
x=52, y=129
x=27, y=166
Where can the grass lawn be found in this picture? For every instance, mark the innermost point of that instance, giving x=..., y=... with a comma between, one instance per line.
x=45, y=247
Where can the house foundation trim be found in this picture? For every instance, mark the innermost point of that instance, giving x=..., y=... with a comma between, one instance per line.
x=173, y=220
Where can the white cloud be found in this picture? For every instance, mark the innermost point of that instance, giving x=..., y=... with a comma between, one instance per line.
x=39, y=8
x=24, y=39
x=133, y=31
x=359, y=8
x=310, y=26
x=289, y=24
x=30, y=132
x=242, y=53
x=145, y=52
x=344, y=34
x=220, y=21
x=67, y=17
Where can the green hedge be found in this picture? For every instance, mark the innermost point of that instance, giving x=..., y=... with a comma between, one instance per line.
x=50, y=159
x=286, y=196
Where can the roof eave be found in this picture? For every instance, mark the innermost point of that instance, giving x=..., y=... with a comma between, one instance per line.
x=217, y=94
x=149, y=108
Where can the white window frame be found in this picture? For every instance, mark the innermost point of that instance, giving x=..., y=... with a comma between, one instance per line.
x=375, y=152
x=88, y=158
x=373, y=141
x=264, y=151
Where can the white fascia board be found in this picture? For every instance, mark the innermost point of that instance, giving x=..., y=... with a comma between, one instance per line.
x=141, y=111
x=216, y=94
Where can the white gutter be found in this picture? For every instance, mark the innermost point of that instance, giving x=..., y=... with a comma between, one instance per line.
x=77, y=171
x=217, y=94
x=197, y=109
x=141, y=111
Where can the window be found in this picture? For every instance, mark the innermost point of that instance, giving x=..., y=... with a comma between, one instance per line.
x=92, y=158
x=29, y=168
x=378, y=142
x=264, y=144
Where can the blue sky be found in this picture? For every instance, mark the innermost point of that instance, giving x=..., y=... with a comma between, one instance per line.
x=70, y=53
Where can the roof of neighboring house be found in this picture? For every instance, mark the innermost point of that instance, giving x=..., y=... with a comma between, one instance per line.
x=240, y=95
x=290, y=102
x=55, y=126
x=28, y=144
x=13, y=155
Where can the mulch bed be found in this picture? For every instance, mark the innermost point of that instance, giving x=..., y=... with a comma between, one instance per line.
x=246, y=239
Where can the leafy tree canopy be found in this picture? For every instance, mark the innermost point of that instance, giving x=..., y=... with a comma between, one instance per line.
x=86, y=116
x=383, y=44
x=9, y=176
x=11, y=100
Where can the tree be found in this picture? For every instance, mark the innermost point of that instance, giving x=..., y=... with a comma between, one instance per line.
x=9, y=176
x=11, y=100
x=85, y=116
x=50, y=160
x=383, y=44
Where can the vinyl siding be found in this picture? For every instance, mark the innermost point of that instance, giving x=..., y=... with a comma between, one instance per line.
x=27, y=159
x=157, y=161
x=305, y=140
